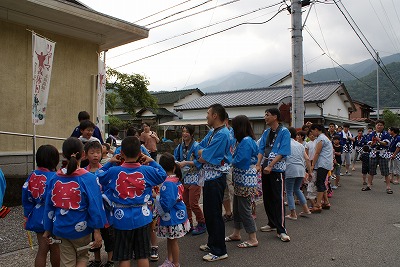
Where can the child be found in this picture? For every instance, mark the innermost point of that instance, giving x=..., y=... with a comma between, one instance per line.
x=365, y=163
x=93, y=151
x=106, y=153
x=33, y=200
x=73, y=209
x=310, y=146
x=300, y=137
x=337, y=161
x=173, y=222
x=127, y=190
x=87, y=127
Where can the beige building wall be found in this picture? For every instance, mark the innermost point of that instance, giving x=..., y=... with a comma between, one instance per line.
x=72, y=88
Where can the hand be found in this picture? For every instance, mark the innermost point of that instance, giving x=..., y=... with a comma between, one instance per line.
x=116, y=159
x=258, y=167
x=267, y=170
x=182, y=164
x=97, y=239
x=47, y=235
x=310, y=175
x=145, y=160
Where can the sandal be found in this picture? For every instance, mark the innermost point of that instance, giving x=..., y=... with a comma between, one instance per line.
x=290, y=217
x=389, y=191
x=316, y=209
x=246, y=244
x=367, y=188
x=305, y=214
x=227, y=217
x=230, y=239
x=326, y=206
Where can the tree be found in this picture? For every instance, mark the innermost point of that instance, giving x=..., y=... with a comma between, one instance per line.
x=391, y=119
x=132, y=90
x=111, y=101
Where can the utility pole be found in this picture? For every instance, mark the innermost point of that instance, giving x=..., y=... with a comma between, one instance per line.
x=377, y=85
x=297, y=65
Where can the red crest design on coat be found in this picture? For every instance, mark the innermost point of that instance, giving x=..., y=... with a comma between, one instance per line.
x=66, y=195
x=36, y=184
x=130, y=185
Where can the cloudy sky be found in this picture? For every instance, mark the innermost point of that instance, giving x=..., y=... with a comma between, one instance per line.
x=259, y=49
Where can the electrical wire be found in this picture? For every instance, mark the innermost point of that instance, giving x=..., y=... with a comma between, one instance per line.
x=390, y=25
x=384, y=69
x=149, y=16
x=179, y=12
x=198, y=39
x=197, y=29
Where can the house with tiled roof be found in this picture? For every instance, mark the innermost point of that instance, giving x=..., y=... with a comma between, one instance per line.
x=325, y=102
x=167, y=102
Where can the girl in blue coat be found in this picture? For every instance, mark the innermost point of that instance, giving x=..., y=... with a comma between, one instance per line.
x=173, y=222
x=33, y=199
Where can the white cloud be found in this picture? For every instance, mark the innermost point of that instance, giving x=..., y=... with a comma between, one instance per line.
x=258, y=49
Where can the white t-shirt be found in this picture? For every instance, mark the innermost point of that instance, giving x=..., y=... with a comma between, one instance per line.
x=325, y=159
x=295, y=162
x=310, y=145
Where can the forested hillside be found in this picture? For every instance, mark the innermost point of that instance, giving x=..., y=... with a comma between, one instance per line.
x=388, y=93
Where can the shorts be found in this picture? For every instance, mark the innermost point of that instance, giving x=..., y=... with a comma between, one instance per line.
x=321, y=174
x=68, y=254
x=394, y=166
x=107, y=234
x=383, y=165
x=346, y=158
x=229, y=186
x=131, y=244
x=365, y=167
x=336, y=170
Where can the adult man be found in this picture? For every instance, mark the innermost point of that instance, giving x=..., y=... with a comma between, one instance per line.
x=379, y=141
x=216, y=157
x=394, y=149
x=331, y=131
x=83, y=116
x=321, y=164
x=347, y=143
x=274, y=146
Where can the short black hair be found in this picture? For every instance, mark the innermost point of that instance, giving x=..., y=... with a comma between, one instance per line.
x=107, y=146
x=336, y=137
x=131, y=146
x=113, y=130
x=275, y=112
x=293, y=132
x=319, y=127
x=86, y=124
x=379, y=121
x=131, y=131
x=302, y=134
x=189, y=128
x=167, y=162
x=47, y=156
x=394, y=129
x=83, y=115
x=219, y=110
x=332, y=124
x=92, y=145
x=360, y=130
x=366, y=148
x=346, y=125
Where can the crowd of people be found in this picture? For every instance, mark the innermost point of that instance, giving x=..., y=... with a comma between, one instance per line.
x=122, y=197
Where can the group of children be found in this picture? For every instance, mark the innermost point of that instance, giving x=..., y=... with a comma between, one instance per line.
x=74, y=209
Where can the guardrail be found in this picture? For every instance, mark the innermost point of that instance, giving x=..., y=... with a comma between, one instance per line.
x=34, y=137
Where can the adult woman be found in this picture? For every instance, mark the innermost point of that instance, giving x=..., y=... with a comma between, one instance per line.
x=150, y=140
x=244, y=177
x=294, y=175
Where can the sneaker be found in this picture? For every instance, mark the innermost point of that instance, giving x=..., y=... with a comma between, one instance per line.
x=95, y=264
x=212, y=257
x=284, y=237
x=267, y=228
x=154, y=254
x=167, y=263
x=191, y=227
x=334, y=187
x=109, y=264
x=205, y=248
x=200, y=229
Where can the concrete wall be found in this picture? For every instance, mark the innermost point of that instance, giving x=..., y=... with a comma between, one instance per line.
x=72, y=89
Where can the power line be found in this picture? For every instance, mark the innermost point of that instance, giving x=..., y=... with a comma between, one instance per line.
x=390, y=24
x=149, y=16
x=387, y=74
x=205, y=10
x=197, y=29
x=198, y=39
x=179, y=12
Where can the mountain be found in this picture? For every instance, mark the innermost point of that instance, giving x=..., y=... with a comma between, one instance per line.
x=244, y=80
x=365, y=91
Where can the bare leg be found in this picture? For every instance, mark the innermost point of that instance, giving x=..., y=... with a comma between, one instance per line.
x=173, y=250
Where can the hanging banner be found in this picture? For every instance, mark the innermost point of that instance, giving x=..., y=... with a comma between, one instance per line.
x=101, y=96
x=42, y=59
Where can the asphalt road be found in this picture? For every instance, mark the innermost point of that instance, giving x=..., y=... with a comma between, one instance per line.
x=360, y=229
